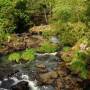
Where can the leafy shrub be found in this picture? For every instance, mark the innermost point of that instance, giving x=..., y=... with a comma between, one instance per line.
x=76, y=57
x=72, y=32
x=66, y=48
x=78, y=64
x=88, y=11
x=16, y=15
x=69, y=10
x=47, y=47
x=49, y=31
x=14, y=57
x=4, y=36
x=10, y=16
x=28, y=54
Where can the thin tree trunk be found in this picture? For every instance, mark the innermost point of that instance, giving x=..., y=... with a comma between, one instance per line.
x=45, y=16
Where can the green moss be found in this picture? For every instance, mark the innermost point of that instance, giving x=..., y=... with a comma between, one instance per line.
x=66, y=48
x=47, y=47
x=77, y=58
x=14, y=57
x=28, y=54
x=79, y=65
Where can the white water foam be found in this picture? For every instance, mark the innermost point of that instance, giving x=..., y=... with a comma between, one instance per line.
x=32, y=84
x=0, y=82
x=43, y=54
x=3, y=89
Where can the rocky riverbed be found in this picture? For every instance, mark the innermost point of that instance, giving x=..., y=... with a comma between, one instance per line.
x=17, y=42
x=47, y=72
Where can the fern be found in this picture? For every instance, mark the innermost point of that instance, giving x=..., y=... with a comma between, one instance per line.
x=14, y=57
x=78, y=64
x=28, y=54
x=79, y=67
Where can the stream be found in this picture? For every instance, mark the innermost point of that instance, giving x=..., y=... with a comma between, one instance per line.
x=26, y=73
x=46, y=72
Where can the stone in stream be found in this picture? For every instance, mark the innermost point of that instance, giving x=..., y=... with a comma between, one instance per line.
x=48, y=87
x=40, y=66
x=21, y=86
x=48, y=78
x=59, y=84
x=6, y=70
x=49, y=73
x=54, y=40
x=6, y=83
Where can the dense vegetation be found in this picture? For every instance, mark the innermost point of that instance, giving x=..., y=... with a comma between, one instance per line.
x=69, y=20
x=26, y=55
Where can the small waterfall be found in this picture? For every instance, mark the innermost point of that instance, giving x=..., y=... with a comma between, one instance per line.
x=27, y=71
x=32, y=84
x=54, y=40
x=6, y=83
x=43, y=54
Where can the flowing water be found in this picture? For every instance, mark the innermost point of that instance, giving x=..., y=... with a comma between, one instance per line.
x=23, y=76
x=27, y=71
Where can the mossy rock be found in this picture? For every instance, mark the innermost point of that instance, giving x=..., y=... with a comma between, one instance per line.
x=76, y=58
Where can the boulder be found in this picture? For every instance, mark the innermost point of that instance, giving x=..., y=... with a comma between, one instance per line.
x=48, y=78
x=40, y=66
x=6, y=70
x=21, y=86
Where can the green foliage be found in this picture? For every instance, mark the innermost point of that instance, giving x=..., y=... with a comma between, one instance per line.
x=72, y=32
x=48, y=32
x=79, y=65
x=72, y=19
x=69, y=10
x=66, y=48
x=47, y=47
x=10, y=16
x=4, y=36
x=28, y=54
x=88, y=11
x=77, y=58
x=14, y=57
x=16, y=15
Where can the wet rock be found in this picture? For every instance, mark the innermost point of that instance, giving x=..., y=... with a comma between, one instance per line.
x=20, y=42
x=6, y=83
x=40, y=66
x=48, y=78
x=54, y=39
x=62, y=70
x=86, y=84
x=40, y=70
x=59, y=84
x=66, y=83
x=47, y=87
x=21, y=86
x=39, y=29
x=6, y=70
